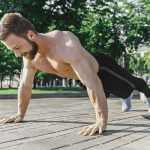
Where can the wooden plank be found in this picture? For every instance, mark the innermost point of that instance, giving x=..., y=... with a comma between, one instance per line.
x=54, y=124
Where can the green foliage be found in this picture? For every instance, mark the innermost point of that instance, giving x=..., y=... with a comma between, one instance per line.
x=147, y=62
x=139, y=65
x=136, y=25
x=112, y=26
x=34, y=10
x=9, y=65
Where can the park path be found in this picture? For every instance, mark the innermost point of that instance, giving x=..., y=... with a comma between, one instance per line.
x=54, y=123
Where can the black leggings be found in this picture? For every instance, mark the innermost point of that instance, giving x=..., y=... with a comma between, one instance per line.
x=116, y=80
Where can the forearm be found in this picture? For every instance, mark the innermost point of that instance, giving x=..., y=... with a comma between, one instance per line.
x=24, y=95
x=102, y=113
x=99, y=101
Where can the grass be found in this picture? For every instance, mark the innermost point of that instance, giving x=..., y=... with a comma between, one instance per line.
x=44, y=90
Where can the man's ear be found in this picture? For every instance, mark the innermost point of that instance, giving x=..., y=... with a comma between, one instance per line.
x=31, y=35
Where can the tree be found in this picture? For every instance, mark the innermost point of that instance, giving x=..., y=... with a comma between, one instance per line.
x=139, y=65
x=9, y=64
x=147, y=62
x=103, y=26
x=136, y=27
x=112, y=26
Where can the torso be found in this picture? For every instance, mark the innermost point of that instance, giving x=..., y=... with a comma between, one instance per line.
x=49, y=65
x=51, y=61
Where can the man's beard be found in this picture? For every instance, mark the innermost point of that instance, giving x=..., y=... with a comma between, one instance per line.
x=32, y=53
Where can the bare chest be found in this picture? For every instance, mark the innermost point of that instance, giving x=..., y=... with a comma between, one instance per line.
x=50, y=65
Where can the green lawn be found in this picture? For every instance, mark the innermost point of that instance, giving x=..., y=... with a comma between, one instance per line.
x=44, y=90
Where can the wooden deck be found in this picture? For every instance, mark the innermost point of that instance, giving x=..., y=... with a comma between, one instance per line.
x=54, y=123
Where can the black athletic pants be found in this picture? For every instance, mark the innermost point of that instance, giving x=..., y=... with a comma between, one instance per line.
x=116, y=80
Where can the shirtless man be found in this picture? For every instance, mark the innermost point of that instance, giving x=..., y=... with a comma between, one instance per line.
x=57, y=52
x=61, y=53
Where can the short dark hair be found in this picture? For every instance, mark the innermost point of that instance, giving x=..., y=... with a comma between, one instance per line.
x=14, y=23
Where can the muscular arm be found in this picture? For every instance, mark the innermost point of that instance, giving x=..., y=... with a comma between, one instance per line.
x=89, y=78
x=24, y=93
x=87, y=73
x=25, y=88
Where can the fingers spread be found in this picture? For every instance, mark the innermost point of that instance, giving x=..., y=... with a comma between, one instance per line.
x=8, y=120
x=83, y=130
x=94, y=130
x=1, y=121
x=87, y=131
x=15, y=118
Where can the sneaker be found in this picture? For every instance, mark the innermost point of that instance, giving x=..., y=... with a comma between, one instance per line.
x=148, y=103
x=126, y=103
x=143, y=97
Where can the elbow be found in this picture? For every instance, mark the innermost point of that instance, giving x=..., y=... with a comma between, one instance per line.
x=92, y=84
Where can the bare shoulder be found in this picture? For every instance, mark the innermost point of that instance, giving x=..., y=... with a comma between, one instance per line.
x=55, y=33
x=63, y=34
x=71, y=36
x=68, y=45
x=73, y=50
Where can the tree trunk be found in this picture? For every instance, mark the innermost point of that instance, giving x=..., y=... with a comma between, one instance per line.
x=1, y=80
x=34, y=83
x=10, y=81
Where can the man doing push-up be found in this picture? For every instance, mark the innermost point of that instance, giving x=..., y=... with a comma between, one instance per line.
x=61, y=53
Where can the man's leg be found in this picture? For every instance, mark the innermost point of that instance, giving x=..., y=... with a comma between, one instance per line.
x=117, y=80
x=126, y=103
x=142, y=87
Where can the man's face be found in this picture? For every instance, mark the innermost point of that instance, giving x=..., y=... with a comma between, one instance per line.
x=22, y=47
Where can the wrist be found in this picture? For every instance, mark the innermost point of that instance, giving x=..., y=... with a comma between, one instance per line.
x=20, y=115
x=100, y=116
